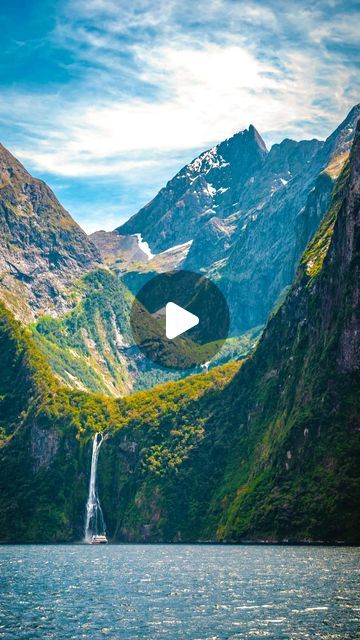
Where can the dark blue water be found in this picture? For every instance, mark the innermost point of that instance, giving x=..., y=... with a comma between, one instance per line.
x=179, y=592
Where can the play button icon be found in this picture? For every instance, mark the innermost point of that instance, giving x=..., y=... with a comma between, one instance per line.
x=179, y=319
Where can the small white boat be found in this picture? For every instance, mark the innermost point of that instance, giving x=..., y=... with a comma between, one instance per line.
x=99, y=539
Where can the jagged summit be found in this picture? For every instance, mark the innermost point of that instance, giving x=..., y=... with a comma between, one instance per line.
x=198, y=191
x=253, y=132
x=245, y=146
x=229, y=179
x=250, y=134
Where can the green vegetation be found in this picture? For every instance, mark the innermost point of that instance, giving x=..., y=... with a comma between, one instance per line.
x=85, y=347
x=266, y=450
x=91, y=348
x=318, y=247
x=46, y=429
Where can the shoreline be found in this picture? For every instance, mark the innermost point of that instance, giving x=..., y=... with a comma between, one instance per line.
x=247, y=543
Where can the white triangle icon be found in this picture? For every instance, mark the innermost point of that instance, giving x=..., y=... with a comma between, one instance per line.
x=178, y=320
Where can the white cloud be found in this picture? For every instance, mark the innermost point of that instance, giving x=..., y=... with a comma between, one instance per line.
x=200, y=91
x=149, y=85
x=207, y=93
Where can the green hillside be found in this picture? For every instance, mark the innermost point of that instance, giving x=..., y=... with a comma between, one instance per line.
x=268, y=451
x=85, y=346
x=46, y=429
x=91, y=348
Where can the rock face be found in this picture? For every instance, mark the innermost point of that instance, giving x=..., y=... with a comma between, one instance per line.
x=243, y=209
x=44, y=447
x=42, y=249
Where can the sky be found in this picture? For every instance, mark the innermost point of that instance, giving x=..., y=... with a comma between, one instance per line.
x=107, y=99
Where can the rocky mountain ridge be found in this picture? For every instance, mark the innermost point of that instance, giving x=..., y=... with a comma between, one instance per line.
x=244, y=215
x=191, y=197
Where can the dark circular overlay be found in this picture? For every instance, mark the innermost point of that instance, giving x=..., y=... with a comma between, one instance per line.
x=193, y=292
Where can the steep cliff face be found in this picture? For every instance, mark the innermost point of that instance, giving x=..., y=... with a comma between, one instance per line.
x=42, y=249
x=268, y=451
x=265, y=250
x=246, y=214
x=300, y=394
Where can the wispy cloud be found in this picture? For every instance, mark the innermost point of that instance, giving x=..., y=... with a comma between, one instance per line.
x=149, y=84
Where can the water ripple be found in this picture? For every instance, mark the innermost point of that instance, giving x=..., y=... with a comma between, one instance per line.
x=149, y=592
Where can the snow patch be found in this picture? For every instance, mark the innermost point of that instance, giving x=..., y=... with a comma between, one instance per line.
x=207, y=161
x=176, y=247
x=210, y=189
x=143, y=246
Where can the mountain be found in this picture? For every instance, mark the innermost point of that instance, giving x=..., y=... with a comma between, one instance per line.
x=267, y=248
x=249, y=238
x=264, y=449
x=55, y=281
x=244, y=214
x=42, y=250
x=191, y=197
x=231, y=183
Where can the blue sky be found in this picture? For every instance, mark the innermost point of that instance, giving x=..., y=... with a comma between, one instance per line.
x=107, y=99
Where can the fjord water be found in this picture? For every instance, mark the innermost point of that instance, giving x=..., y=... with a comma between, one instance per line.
x=180, y=592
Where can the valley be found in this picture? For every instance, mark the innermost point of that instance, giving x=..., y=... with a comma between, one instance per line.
x=263, y=448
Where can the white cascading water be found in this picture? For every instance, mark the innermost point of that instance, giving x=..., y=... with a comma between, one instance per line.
x=94, y=523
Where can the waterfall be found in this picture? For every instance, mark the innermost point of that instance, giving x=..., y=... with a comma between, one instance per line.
x=94, y=523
